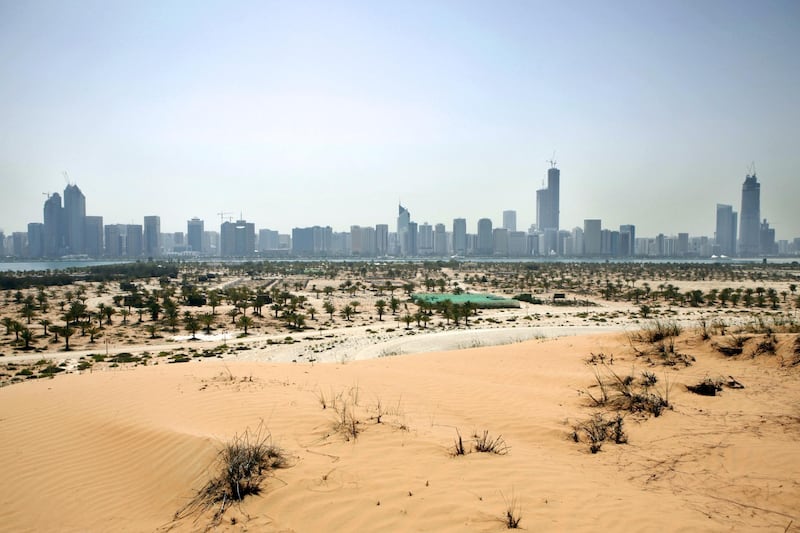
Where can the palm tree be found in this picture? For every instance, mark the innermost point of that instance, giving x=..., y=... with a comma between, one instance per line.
x=93, y=332
x=408, y=319
x=152, y=329
x=27, y=337
x=394, y=304
x=8, y=322
x=109, y=312
x=329, y=308
x=207, y=319
x=380, y=305
x=214, y=300
x=29, y=309
x=66, y=331
x=191, y=324
x=125, y=314
x=45, y=323
x=17, y=328
x=245, y=322
x=468, y=309
x=347, y=312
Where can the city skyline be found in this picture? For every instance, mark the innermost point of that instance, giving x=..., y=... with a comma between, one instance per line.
x=67, y=231
x=329, y=113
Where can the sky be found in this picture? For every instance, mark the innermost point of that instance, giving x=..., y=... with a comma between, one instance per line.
x=298, y=113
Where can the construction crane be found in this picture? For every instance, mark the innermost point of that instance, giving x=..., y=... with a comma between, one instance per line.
x=46, y=194
x=66, y=177
x=222, y=215
x=552, y=160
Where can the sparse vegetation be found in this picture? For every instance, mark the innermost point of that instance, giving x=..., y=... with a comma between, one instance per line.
x=242, y=465
x=481, y=443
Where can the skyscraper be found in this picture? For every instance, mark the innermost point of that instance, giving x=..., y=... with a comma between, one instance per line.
x=485, y=242
x=440, y=240
x=194, y=232
x=460, y=236
x=510, y=220
x=403, y=220
x=381, y=239
x=133, y=240
x=53, y=226
x=113, y=239
x=35, y=240
x=74, y=220
x=237, y=239
x=547, y=201
x=725, y=235
x=425, y=239
x=627, y=240
x=592, y=237
x=750, y=222
x=152, y=233
x=94, y=236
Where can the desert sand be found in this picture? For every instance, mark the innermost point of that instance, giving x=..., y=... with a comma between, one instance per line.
x=125, y=449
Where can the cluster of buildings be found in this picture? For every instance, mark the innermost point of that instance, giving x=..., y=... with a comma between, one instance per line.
x=68, y=232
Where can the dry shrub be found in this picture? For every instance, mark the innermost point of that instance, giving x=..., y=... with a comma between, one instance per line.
x=733, y=345
x=707, y=387
x=624, y=393
x=242, y=465
x=598, y=430
x=486, y=444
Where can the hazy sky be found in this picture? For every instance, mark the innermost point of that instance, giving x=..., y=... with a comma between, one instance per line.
x=300, y=113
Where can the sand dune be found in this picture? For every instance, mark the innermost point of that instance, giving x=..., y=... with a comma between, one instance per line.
x=124, y=449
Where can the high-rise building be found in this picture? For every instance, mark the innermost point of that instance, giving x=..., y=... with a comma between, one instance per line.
x=19, y=240
x=75, y=220
x=381, y=240
x=500, y=242
x=460, y=236
x=133, y=240
x=237, y=238
x=114, y=243
x=314, y=240
x=592, y=237
x=36, y=240
x=725, y=236
x=510, y=220
x=627, y=240
x=267, y=240
x=425, y=239
x=194, y=231
x=152, y=233
x=439, y=240
x=547, y=202
x=94, y=236
x=403, y=221
x=411, y=238
x=485, y=246
x=766, y=239
x=53, y=226
x=362, y=241
x=682, y=249
x=750, y=221
x=517, y=243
